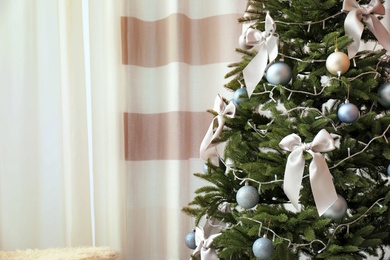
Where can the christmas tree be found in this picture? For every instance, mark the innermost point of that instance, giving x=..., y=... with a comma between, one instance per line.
x=298, y=161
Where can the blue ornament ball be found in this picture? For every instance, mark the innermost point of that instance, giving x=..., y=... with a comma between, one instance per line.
x=240, y=96
x=247, y=197
x=278, y=73
x=384, y=95
x=388, y=170
x=190, y=240
x=263, y=248
x=348, y=113
x=337, y=210
x=205, y=168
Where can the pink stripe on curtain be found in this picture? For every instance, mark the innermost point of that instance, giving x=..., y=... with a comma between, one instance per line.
x=178, y=38
x=165, y=136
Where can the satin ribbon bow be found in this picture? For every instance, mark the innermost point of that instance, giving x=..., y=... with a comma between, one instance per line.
x=354, y=27
x=323, y=190
x=204, y=246
x=266, y=43
x=223, y=110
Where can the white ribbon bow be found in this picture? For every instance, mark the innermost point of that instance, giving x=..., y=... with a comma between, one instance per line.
x=354, y=27
x=204, y=246
x=323, y=190
x=267, y=45
x=223, y=110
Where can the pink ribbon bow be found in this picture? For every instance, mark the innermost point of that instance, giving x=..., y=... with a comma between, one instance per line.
x=204, y=246
x=267, y=45
x=218, y=121
x=354, y=27
x=321, y=181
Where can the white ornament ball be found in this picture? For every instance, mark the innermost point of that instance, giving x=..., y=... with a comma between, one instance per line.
x=263, y=248
x=384, y=95
x=337, y=62
x=337, y=210
x=348, y=113
x=278, y=73
x=190, y=240
x=247, y=197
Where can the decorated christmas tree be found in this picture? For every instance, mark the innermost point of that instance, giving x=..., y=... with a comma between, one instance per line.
x=298, y=160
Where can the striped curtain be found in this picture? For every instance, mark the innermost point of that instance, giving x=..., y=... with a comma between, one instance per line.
x=176, y=54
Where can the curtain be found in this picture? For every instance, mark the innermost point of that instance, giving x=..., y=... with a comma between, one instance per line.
x=100, y=134
x=62, y=167
x=176, y=55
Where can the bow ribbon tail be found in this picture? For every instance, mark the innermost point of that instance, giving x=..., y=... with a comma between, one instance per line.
x=272, y=47
x=380, y=32
x=199, y=240
x=254, y=71
x=354, y=29
x=211, y=135
x=321, y=182
x=293, y=176
x=272, y=39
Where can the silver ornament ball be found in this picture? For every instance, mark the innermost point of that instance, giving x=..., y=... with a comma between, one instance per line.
x=190, y=240
x=263, y=248
x=247, y=197
x=337, y=62
x=388, y=170
x=384, y=95
x=348, y=113
x=337, y=210
x=278, y=73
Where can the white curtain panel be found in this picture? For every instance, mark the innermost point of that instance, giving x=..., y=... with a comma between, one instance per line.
x=62, y=167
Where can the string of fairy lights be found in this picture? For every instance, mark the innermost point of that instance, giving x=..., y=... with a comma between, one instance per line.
x=291, y=244
x=305, y=23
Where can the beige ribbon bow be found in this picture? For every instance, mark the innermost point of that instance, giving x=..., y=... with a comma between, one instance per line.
x=219, y=121
x=354, y=27
x=267, y=45
x=204, y=246
x=321, y=182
